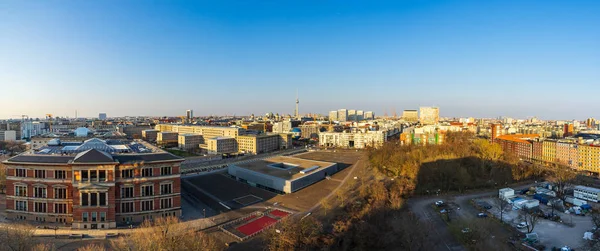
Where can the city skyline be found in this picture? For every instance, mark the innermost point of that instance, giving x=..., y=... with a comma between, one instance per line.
x=470, y=58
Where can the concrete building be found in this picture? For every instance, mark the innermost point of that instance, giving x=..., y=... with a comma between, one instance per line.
x=410, y=115
x=189, y=115
x=586, y=193
x=166, y=138
x=102, y=116
x=92, y=185
x=222, y=145
x=206, y=131
x=496, y=131
x=352, y=115
x=189, y=141
x=150, y=135
x=8, y=135
x=360, y=115
x=549, y=151
x=282, y=174
x=568, y=130
x=589, y=158
x=429, y=115
x=342, y=115
x=262, y=143
x=352, y=140
x=333, y=116
x=567, y=153
x=309, y=131
x=369, y=115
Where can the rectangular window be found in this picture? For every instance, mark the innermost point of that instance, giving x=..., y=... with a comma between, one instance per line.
x=166, y=203
x=60, y=193
x=93, y=175
x=147, y=190
x=40, y=174
x=60, y=208
x=166, y=170
x=21, y=172
x=39, y=192
x=84, y=216
x=21, y=191
x=21, y=205
x=93, y=199
x=102, y=199
x=39, y=207
x=166, y=188
x=60, y=174
x=147, y=205
x=85, y=199
x=127, y=207
x=126, y=174
x=85, y=175
x=146, y=172
x=102, y=175
x=102, y=216
x=126, y=192
x=94, y=216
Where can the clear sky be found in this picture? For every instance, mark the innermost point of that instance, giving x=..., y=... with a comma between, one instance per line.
x=471, y=58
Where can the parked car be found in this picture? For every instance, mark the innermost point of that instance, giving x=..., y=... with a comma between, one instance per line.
x=522, y=225
x=482, y=215
x=443, y=211
x=439, y=203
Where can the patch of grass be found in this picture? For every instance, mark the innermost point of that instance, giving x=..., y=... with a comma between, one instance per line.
x=181, y=153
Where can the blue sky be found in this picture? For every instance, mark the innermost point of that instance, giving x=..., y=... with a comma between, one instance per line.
x=470, y=58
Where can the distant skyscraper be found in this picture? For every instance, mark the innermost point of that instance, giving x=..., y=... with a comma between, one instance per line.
x=189, y=115
x=342, y=115
x=429, y=115
x=369, y=115
x=360, y=115
x=102, y=116
x=568, y=130
x=352, y=115
x=333, y=115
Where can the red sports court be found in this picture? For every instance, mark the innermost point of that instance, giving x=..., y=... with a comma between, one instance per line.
x=257, y=225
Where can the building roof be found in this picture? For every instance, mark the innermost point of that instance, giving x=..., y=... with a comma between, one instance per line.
x=293, y=166
x=517, y=137
x=40, y=159
x=93, y=156
x=138, y=158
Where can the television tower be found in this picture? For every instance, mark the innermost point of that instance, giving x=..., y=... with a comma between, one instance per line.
x=296, y=113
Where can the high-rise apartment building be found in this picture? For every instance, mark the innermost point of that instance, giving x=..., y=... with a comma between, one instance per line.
x=410, y=115
x=369, y=115
x=497, y=130
x=189, y=114
x=102, y=116
x=342, y=115
x=429, y=115
x=333, y=116
x=568, y=130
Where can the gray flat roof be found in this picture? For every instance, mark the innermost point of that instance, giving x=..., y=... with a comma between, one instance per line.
x=262, y=166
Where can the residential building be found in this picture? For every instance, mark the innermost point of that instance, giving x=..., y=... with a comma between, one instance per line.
x=8, y=135
x=589, y=158
x=261, y=143
x=309, y=131
x=549, y=151
x=206, y=131
x=352, y=115
x=567, y=153
x=518, y=144
x=333, y=116
x=429, y=115
x=497, y=130
x=342, y=115
x=189, y=141
x=369, y=115
x=537, y=146
x=94, y=184
x=568, y=130
x=189, y=115
x=352, y=139
x=410, y=115
x=102, y=116
x=222, y=145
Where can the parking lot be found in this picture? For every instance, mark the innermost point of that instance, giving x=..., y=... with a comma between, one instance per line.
x=550, y=233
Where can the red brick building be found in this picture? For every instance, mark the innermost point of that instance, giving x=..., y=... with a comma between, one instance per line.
x=518, y=144
x=93, y=184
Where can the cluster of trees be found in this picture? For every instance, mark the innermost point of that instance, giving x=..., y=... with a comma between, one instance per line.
x=2, y=177
x=12, y=146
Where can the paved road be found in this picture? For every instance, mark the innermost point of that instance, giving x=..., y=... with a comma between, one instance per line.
x=338, y=187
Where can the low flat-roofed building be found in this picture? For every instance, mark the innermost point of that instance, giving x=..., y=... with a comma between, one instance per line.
x=263, y=143
x=8, y=135
x=282, y=174
x=149, y=135
x=221, y=145
x=189, y=141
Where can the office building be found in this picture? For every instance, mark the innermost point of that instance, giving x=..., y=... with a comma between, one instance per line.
x=95, y=184
x=102, y=116
x=369, y=115
x=8, y=135
x=264, y=143
x=206, y=131
x=352, y=139
x=150, y=135
x=410, y=116
x=352, y=115
x=189, y=141
x=189, y=115
x=222, y=145
x=167, y=138
x=429, y=115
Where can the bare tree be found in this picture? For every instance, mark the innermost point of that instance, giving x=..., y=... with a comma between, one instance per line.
x=165, y=234
x=562, y=177
x=92, y=247
x=17, y=237
x=325, y=205
x=501, y=204
x=2, y=177
x=596, y=219
x=530, y=218
x=293, y=234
